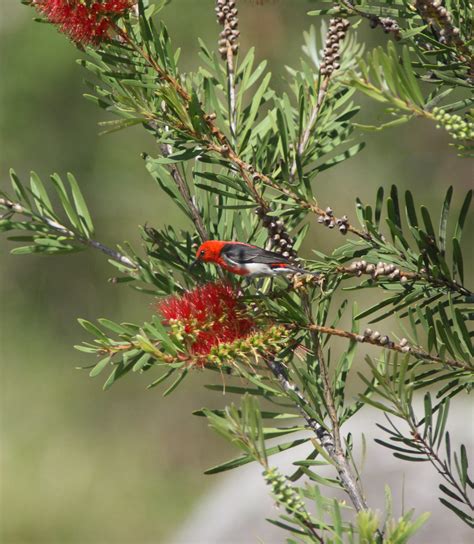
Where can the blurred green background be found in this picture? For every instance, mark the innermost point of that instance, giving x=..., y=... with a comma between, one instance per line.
x=80, y=465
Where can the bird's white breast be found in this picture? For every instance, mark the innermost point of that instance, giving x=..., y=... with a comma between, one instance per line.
x=259, y=269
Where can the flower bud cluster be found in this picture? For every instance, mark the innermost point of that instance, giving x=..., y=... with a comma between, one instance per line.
x=226, y=12
x=330, y=221
x=281, y=241
x=375, y=337
x=284, y=494
x=454, y=124
x=433, y=12
x=332, y=48
x=243, y=348
x=381, y=269
x=388, y=25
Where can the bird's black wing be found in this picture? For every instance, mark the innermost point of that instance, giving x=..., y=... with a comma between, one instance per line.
x=242, y=253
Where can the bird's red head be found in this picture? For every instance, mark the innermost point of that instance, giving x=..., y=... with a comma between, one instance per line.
x=210, y=251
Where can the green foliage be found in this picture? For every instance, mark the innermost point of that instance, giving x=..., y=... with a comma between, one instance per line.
x=396, y=382
x=238, y=160
x=41, y=222
x=432, y=62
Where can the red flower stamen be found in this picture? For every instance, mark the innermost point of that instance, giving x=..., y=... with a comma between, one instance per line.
x=84, y=22
x=211, y=314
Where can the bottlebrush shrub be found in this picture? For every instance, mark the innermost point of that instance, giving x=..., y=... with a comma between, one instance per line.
x=238, y=159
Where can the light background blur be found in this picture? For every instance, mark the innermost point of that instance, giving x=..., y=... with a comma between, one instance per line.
x=80, y=465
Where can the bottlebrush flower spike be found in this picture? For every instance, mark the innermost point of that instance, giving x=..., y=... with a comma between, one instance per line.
x=85, y=22
x=207, y=316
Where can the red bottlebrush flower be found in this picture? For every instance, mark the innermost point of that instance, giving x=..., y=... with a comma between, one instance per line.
x=210, y=314
x=85, y=22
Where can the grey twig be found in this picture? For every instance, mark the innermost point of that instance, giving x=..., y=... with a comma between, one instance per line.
x=231, y=90
x=16, y=207
x=309, y=127
x=329, y=64
x=348, y=479
x=321, y=432
x=183, y=189
x=326, y=439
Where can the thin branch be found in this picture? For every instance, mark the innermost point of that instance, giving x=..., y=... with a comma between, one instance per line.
x=311, y=122
x=279, y=371
x=325, y=438
x=231, y=91
x=441, y=466
x=17, y=208
x=421, y=444
x=392, y=272
x=348, y=479
x=183, y=189
x=386, y=343
x=314, y=114
x=329, y=64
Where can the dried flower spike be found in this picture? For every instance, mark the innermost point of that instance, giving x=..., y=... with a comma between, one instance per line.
x=439, y=17
x=388, y=25
x=85, y=22
x=336, y=34
x=226, y=12
x=281, y=241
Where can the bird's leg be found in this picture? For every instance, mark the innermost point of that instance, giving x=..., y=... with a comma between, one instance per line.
x=244, y=284
x=271, y=284
x=259, y=284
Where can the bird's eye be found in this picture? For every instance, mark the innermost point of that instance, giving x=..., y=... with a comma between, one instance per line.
x=202, y=253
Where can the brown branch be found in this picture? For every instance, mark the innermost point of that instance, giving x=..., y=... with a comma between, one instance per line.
x=226, y=151
x=250, y=176
x=376, y=339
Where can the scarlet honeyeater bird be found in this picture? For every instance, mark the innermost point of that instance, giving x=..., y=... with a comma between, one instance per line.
x=246, y=260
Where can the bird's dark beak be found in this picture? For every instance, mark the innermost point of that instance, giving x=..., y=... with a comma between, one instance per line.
x=193, y=264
